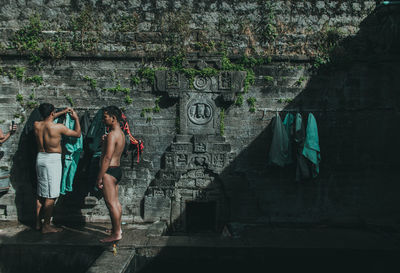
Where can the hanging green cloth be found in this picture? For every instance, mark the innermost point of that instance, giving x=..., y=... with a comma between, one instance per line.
x=311, y=145
x=73, y=147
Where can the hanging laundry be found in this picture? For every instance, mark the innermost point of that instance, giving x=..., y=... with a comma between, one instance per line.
x=85, y=123
x=96, y=130
x=278, y=153
x=288, y=124
x=311, y=148
x=302, y=164
x=73, y=147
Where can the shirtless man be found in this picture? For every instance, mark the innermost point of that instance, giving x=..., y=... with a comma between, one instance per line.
x=4, y=137
x=48, y=162
x=110, y=171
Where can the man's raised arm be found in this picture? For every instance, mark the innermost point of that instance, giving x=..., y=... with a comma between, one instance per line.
x=77, y=131
x=62, y=112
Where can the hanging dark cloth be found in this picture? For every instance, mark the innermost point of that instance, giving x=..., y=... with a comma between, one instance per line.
x=302, y=166
x=278, y=153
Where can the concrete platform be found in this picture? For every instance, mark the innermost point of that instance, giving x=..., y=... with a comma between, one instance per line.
x=142, y=240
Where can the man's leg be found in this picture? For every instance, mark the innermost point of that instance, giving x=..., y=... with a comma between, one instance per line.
x=110, y=192
x=48, y=212
x=39, y=205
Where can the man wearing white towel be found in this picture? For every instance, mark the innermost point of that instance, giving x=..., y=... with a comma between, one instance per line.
x=48, y=162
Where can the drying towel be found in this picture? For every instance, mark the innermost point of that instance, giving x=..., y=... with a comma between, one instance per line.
x=73, y=146
x=48, y=169
x=311, y=145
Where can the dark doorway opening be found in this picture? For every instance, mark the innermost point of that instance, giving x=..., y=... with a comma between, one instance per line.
x=201, y=216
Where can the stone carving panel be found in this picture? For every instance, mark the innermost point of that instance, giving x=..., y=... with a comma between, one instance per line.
x=200, y=112
x=202, y=83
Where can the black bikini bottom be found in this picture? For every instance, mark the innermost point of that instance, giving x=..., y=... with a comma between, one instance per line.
x=115, y=171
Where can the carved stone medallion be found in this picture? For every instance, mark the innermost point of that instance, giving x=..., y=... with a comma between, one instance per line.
x=199, y=112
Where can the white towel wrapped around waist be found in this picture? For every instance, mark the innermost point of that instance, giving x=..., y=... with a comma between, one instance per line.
x=49, y=171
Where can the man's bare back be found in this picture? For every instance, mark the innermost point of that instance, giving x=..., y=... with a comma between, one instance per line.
x=48, y=134
x=48, y=162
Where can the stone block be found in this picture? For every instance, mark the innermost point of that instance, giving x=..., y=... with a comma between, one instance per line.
x=156, y=208
x=11, y=210
x=7, y=199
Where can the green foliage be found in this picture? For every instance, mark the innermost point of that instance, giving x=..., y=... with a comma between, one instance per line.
x=209, y=46
x=222, y=122
x=269, y=78
x=118, y=89
x=148, y=74
x=250, y=62
x=126, y=23
x=86, y=26
x=128, y=99
x=267, y=28
x=328, y=46
x=239, y=100
x=32, y=96
x=55, y=48
x=29, y=37
x=144, y=111
x=19, y=98
x=156, y=108
x=38, y=80
x=252, y=102
x=300, y=81
x=135, y=80
x=32, y=104
x=176, y=61
x=285, y=100
x=19, y=72
x=92, y=82
x=69, y=99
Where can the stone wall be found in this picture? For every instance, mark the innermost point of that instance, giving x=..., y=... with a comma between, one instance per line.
x=335, y=59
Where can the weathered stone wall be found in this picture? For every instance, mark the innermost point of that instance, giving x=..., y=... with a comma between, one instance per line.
x=102, y=46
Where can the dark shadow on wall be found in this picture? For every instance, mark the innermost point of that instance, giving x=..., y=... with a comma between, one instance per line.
x=354, y=98
x=356, y=103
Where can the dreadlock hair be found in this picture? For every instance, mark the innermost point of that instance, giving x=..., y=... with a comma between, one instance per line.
x=45, y=109
x=113, y=111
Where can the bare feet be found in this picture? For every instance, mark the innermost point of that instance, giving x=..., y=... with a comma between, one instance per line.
x=110, y=231
x=50, y=229
x=111, y=238
x=38, y=225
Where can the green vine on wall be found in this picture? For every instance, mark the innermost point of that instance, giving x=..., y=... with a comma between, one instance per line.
x=328, y=46
x=92, y=82
x=118, y=89
x=86, y=26
x=36, y=79
x=146, y=111
x=252, y=103
x=69, y=99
